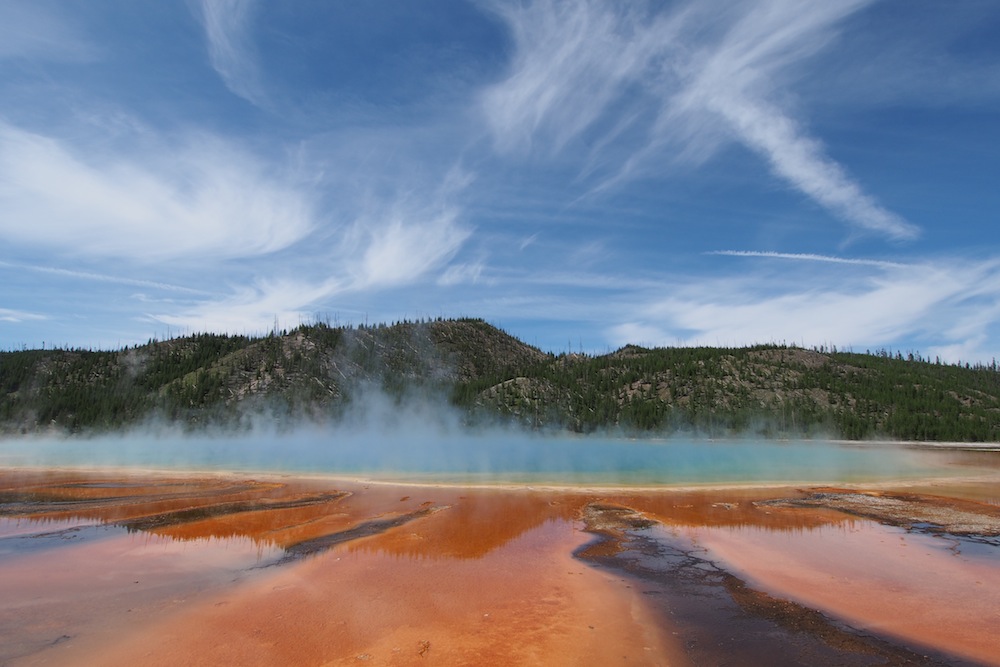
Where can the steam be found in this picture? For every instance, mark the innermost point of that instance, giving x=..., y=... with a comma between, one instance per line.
x=418, y=439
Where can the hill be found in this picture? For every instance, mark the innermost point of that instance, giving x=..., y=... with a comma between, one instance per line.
x=316, y=372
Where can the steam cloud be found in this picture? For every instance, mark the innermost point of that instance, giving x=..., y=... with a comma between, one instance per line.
x=421, y=440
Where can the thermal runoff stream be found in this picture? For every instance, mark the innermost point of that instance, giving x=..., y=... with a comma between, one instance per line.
x=338, y=548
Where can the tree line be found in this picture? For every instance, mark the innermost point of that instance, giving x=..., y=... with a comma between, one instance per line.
x=314, y=372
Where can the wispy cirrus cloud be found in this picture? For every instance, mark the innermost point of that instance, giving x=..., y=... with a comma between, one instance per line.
x=237, y=235
x=200, y=198
x=393, y=252
x=946, y=307
x=618, y=138
x=399, y=250
x=675, y=85
x=463, y=274
x=406, y=233
x=572, y=61
x=11, y=315
x=809, y=257
x=102, y=278
x=395, y=242
x=254, y=309
x=228, y=31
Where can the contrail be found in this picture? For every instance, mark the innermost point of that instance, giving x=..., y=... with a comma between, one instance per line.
x=87, y=275
x=810, y=257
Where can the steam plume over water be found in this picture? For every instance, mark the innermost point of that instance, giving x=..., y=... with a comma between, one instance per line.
x=495, y=456
x=424, y=440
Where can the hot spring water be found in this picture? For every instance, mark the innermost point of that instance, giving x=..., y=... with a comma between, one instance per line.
x=498, y=457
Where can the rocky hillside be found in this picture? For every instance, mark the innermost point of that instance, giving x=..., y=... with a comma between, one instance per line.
x=763, y=390
x=315, y=372
x=311, y=372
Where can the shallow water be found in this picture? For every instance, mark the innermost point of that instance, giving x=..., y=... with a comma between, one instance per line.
x=250, y=567
x=486, y=575
x=514, y=458
x=942, y=582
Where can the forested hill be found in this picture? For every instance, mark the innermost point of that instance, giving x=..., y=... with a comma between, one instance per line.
x=318, y=372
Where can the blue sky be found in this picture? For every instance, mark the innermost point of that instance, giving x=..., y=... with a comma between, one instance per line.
x=584, y=174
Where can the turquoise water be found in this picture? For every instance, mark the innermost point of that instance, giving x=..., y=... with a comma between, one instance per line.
x=504, y=457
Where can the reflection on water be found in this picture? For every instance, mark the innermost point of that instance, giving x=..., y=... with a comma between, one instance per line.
x=191, y=509
x=303, y=517
x=283, y=515
x=129, y=542
x=475, y=524
x=474, y=521
x=870, y=573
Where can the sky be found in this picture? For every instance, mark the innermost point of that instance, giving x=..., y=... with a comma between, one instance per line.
x=583, y=174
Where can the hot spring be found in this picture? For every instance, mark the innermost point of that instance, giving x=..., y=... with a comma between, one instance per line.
x=504, y=458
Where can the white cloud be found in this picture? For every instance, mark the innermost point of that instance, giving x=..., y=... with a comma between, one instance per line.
x=949, y=306
x=809, y=257
x=404, y=246
x=254, y=309
x=572, y=60
x=675, y=85
x=528, y=241
x=402, y=231
x=390, y=245
x=800, y=160
x=635, y=333
x=974, y=350
x=462, y=274
x=227, y=26
x=383, y=254
x=103, y=278
x=202, y=198
x=10, y=315
x=883, y=312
